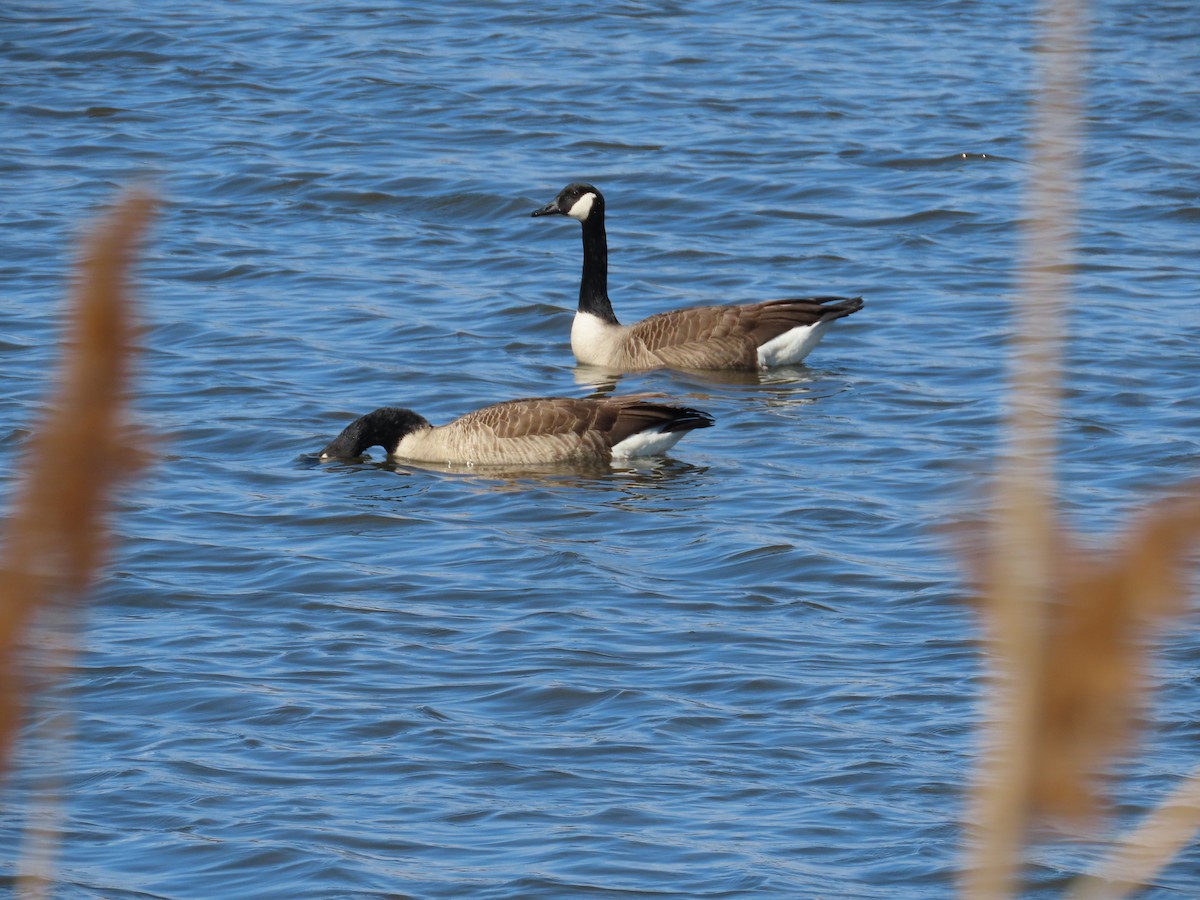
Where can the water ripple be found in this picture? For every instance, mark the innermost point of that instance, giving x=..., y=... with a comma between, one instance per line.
x=741, y=671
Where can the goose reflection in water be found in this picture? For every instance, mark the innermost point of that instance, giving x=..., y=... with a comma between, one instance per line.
x=662, y=485
x=775, y=388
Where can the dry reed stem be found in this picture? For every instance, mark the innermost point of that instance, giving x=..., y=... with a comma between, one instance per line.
x=1022, y=552
x=1097, y=652
x=1068, y=627
x=1149, y=847
x=55, y=535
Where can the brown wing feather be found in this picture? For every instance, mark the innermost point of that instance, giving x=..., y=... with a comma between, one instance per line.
x=580, y=426
x=535, y=417
x=699, y=337
x=523, y=431
x=634, y=415
x=774, y=317
x=727, y=336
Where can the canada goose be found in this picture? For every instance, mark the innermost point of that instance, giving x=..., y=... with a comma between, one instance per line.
x=520, y=432
x=750, y=336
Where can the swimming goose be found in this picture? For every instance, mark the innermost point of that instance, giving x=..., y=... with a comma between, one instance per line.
x=521, y=432
x=750, y=336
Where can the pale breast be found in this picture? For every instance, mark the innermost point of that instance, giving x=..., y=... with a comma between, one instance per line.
x=598, y=343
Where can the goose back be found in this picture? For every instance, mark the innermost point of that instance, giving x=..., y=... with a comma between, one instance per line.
x=553, y=430
x=712, y=337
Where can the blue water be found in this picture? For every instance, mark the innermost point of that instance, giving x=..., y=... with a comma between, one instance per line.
x=743, y=671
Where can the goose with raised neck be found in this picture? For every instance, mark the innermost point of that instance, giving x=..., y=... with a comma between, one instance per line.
x=732, y=336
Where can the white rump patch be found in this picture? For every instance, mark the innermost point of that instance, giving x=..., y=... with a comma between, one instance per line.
x=792, y=346
x=582, y=207
x=647, y=443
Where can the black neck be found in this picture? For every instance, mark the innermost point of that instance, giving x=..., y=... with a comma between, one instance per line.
x=385, y=427
x=593, y=288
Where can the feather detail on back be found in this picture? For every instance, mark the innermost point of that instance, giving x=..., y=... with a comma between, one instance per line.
x=550, y=430
x=712, y=337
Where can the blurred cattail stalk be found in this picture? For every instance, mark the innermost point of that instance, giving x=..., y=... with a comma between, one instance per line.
x=1021, y=549
x=1148, y=848
x=55, y=534
x=1067, y=627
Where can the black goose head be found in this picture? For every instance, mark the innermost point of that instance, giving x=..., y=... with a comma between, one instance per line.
x=384, y=427
x=578, y=200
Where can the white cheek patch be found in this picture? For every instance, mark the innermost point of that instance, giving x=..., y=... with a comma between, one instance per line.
x=582, y=207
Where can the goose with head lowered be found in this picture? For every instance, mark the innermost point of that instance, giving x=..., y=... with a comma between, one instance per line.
x=525, y=432
x=742, y=336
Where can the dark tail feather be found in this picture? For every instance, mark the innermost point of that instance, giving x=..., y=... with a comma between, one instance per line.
x=837, y=307
x=684, y=418
x=824, y=308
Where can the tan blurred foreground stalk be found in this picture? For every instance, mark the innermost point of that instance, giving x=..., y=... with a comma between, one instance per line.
x=1068, y=628
x=1135, y=860
x=1072, y=709
x=1020, y=552
x=55, y=534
